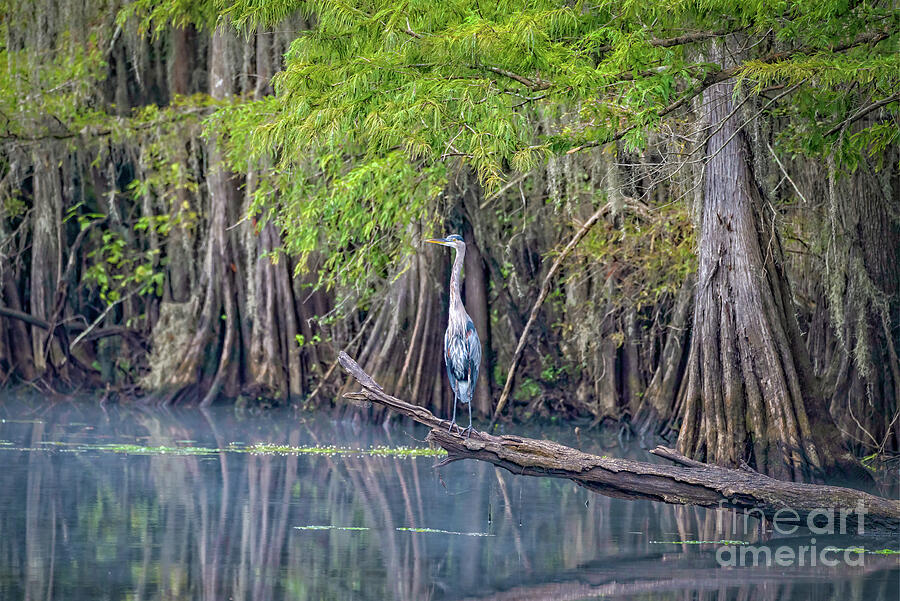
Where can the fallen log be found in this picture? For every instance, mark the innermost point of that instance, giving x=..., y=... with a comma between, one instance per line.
x=688, y=482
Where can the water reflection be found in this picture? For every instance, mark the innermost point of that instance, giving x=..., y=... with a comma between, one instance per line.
x=77, y=522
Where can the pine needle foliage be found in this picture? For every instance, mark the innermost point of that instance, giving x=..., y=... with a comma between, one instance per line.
x=379, y=100
x=463, y=78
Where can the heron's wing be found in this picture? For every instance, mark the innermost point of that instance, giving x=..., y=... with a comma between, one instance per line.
x=473, y=353
x=453, y=358
x=462, y=354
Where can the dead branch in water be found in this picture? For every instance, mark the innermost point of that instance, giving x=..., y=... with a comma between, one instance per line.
x=688, y=483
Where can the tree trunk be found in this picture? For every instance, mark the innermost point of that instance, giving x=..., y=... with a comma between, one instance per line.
x=267, y=373
x=46, y=248
x=633, y=385
x=861, y=292
x=18, y=344
x=477, y=308
x=750, y=395
x=179, y=244
x=606, y=393
x=220, y=264
x=208, y=354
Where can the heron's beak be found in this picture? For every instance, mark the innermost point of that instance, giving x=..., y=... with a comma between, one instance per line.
x=440, y=241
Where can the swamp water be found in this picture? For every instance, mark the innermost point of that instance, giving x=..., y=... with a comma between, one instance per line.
x=125, y=504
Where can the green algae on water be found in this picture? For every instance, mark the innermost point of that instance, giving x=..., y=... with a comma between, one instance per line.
x=255, y=449
x=411, y=530
x=135, y=449
x=351, y=528
x=864, y=550
x=267, y=448
x=436, y=531
x=699, y=542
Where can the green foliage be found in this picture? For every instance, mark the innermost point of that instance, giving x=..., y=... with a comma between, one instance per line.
x=527, y=390
x=463, y=79
x=53, y=100
x=52, y=95
x=380, y=100
x=115, y=270
x=155, y=16
x=645, y=257
x=381, y=104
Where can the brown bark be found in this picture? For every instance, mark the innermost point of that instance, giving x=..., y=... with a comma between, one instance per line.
x=290, y=329
x=179, y=245
x=220, y=267
x=15, y=340
x=46, y=246
x=267, y=363
x=632, y=375
x=606, y=391
x=687, y=483
x=477, y=308
x=750, y=394
x=403, y=346
x=263, y=357
x=208, y=359
x=61, y=296
x=862, y=294
x=418, y=324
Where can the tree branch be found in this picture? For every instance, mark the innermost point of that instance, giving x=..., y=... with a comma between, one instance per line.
x=724, y=74
x=862, y=113
x=101, y=133
x=62, y=291
x=534, y=84
x=688, y=38
x=691, y=483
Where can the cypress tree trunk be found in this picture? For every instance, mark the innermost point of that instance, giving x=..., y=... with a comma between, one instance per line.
x=477, y=308
x=873, y=309
x=750, y=394
x=862, y=295
x=266, y=362
x=207, y=357
x=219, y=264
x=180, y=243
x=15, y=347
x=46, y=248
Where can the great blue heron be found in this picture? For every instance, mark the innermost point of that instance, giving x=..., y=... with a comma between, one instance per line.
x=462, y=348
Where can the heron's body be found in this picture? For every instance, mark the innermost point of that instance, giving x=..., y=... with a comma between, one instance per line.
x=462, y=347
x=462, y=354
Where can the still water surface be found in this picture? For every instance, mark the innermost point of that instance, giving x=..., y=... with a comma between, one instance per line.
x=127, y=504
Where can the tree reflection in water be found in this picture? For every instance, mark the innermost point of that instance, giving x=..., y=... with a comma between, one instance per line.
x=78, y=522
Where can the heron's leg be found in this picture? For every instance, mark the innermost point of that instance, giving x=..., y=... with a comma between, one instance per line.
x=468, y=430
x=453, y=421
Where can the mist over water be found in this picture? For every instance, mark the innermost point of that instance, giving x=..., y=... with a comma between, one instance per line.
x=124, y=504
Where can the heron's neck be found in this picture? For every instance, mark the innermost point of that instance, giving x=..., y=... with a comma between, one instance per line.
x=455, y=277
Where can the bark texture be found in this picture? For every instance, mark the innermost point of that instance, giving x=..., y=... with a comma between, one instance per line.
x=750, y=394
